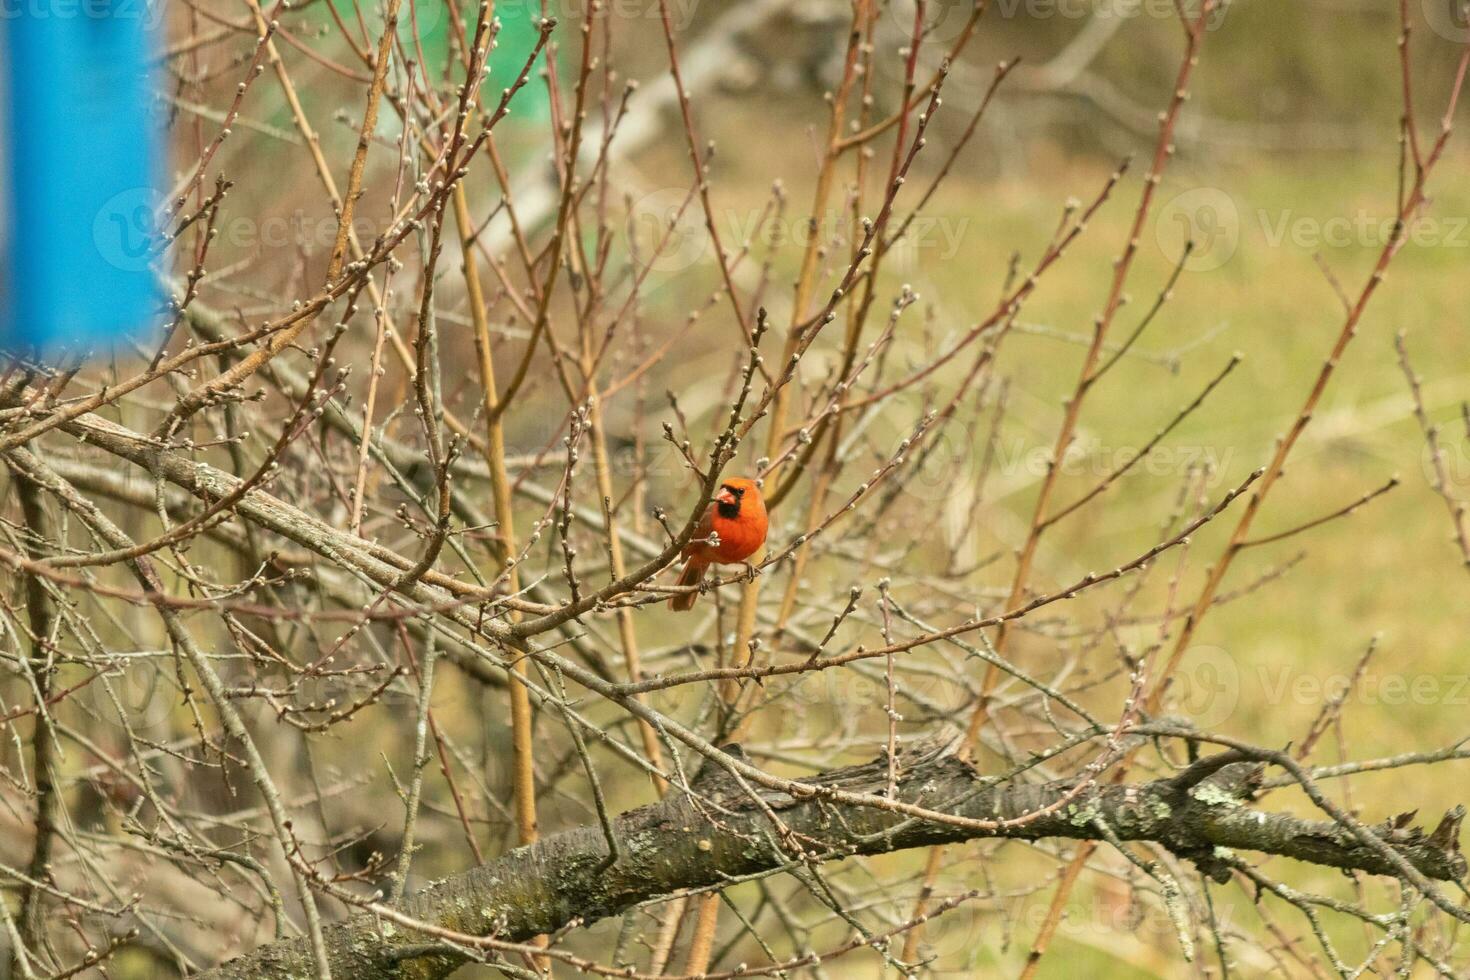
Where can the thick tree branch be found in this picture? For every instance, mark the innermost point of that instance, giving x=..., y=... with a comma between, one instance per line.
x=41, y=616
x=685, y=843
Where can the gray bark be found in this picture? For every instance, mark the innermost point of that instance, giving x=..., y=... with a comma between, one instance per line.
x=686, y=842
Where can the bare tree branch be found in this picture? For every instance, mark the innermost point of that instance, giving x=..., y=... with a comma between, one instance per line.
x=686, y=842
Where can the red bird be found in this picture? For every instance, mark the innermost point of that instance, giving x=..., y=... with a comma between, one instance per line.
x=738, y=516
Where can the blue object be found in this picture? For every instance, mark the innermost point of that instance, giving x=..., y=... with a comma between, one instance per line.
x=81, y=150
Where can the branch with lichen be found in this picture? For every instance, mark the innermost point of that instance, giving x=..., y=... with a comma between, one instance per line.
x=718, y=834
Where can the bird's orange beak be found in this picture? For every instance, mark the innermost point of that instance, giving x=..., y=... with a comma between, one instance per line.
x=725, y=496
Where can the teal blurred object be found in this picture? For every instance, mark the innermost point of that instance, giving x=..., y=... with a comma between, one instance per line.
x=519, y=29
x=81, y=150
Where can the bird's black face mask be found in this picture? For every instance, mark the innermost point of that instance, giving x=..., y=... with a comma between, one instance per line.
x=729, y=508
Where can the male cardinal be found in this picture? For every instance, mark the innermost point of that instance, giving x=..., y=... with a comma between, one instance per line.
x=738, y=516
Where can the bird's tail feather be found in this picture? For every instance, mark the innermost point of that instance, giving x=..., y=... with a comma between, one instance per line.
x=693, y=574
